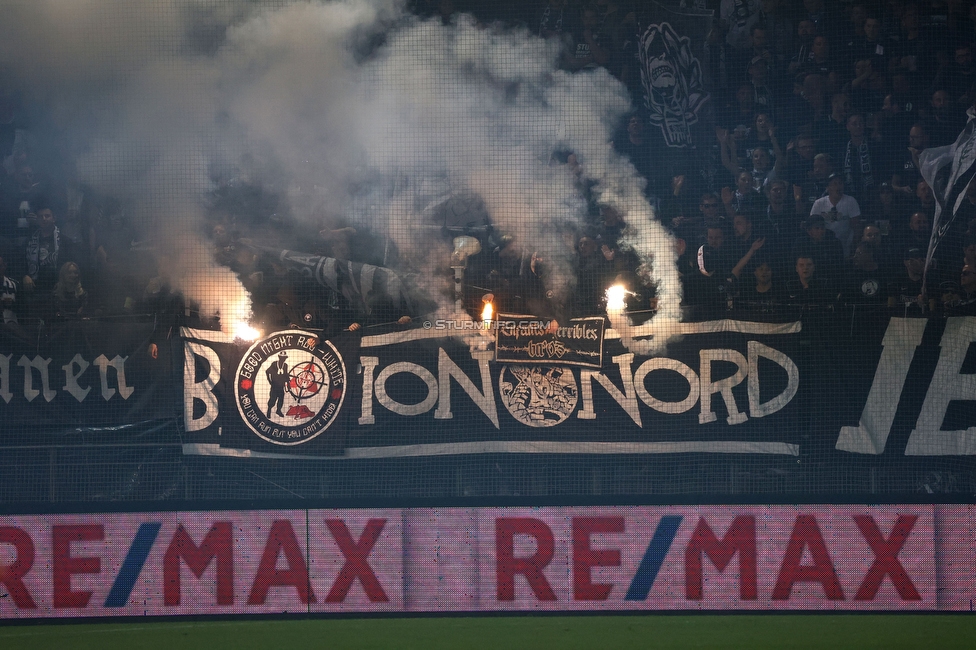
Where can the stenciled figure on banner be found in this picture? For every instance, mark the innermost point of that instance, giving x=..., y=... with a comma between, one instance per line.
x=289, y=388
x=674, y=90
x=290, y=370
x=538, y=396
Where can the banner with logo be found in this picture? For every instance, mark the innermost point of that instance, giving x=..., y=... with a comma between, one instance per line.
x=816, y=387
x=426, y=391
x=524, y=339
x=810, y=557
x=285, y=392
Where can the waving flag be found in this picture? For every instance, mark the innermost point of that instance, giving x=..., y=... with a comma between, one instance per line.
x=361, y=284
x=669, y=51
x=949, y=171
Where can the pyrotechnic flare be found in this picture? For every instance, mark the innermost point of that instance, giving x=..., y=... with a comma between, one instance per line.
x=616, y=295
x=658, y=330
x=486, y=315
x=243, y=331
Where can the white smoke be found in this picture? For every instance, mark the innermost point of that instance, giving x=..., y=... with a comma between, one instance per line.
x=356, y=106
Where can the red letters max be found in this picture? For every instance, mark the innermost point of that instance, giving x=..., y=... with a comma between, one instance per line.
x=283, y=564
x=738, y=539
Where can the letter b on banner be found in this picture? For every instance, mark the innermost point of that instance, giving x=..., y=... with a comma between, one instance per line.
x=202, y=390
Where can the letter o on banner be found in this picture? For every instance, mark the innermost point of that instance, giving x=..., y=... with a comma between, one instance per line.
x=663, y=363
x=398, y=407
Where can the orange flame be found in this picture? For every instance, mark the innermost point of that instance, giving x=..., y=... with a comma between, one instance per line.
x=243, y=330
x=615, y=297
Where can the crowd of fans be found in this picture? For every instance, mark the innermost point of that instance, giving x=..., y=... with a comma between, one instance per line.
x=802, y=187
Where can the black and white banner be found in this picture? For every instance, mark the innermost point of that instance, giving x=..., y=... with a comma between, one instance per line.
x=723, y=387
x=77, y=376
x=522, y=339
x=285, y=392
x=669, y=52
x=890, y=387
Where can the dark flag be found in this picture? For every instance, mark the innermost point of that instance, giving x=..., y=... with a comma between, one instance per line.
x=364, y=286
x=670, y=50
x=287, y=393
x=83, y=376
x=949, y=171
x=361, y=284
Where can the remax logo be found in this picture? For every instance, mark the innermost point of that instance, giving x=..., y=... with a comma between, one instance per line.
x=483, y=559
x=233, y=564
x=796, y=562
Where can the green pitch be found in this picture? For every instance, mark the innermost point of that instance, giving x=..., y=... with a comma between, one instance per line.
x=661, y=631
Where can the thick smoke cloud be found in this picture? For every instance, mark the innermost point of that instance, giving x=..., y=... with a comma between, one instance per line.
x=354, y=110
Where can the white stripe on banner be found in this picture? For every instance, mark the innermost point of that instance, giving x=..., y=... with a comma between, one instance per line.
x=517, y=447
x=213, y=336
x=394, y=338
x=714, y=326
x=706, y=327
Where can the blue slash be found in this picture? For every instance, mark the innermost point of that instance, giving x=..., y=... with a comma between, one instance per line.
x=132, y=565
x=643, y=580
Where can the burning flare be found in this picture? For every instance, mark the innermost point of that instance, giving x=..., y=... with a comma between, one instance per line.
x=487, y=313
x=237, y=318
x=242, y=330
x=615, y=297
x=659, y=329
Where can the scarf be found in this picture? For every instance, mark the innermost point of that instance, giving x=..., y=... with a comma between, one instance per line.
x=758, y=179
x=771, y=219
x=761, y=94
x=864, y=178
x=34, y=263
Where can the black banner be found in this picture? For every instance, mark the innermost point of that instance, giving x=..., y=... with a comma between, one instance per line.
x=816, y=387
x=74, y=376
x=525, y=339
x=449, y=391
x=287, y=392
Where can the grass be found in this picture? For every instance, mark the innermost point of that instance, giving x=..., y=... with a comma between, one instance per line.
x=505, y=632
